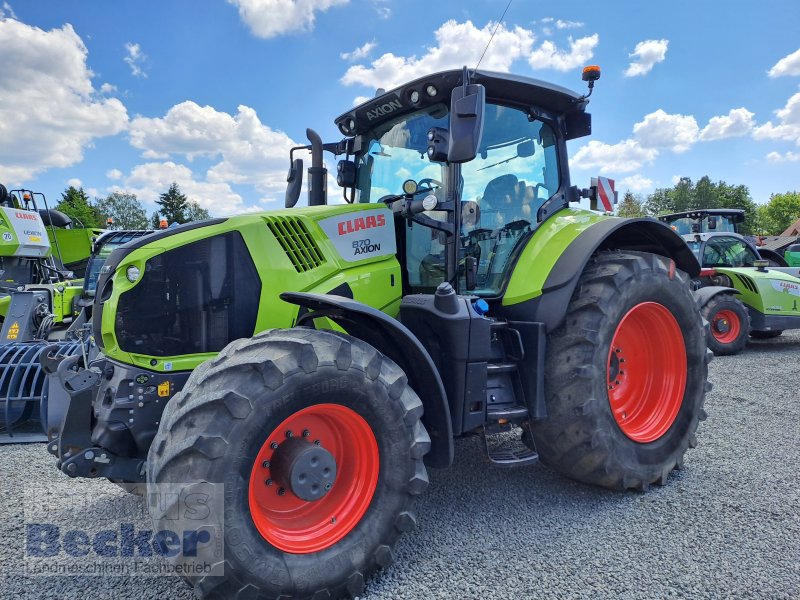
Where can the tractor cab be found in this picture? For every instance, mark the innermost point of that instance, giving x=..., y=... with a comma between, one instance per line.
x=721, y=220
x=474, y=161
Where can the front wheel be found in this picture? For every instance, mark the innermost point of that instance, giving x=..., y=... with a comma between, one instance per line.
x=728, y=324
x=626, y=374
x=317, y=439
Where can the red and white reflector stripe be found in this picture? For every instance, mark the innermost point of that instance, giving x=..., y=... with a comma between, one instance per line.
x=605, y=192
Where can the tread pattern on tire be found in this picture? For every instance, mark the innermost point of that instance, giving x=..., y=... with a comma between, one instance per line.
x=195, y=434
x=578, y=438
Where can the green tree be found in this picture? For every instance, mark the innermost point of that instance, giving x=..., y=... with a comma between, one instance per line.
x=781, y=211
x=195, y=212
x=124, y=208
x=75, y=203
x=631, y=206
x=155, y=220
x=705, y=194
x=173, y=205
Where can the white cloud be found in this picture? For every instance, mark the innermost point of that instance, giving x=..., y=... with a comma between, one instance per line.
x=74, y=182
x=777, y=157
x=54, y=111
x=108, y=88
x=114, y=174
x=662, y=130
x=7, y=11
x=360, y=99
x=548, y=56
x=624, y=157
x=788, y=127
x=676, y=179
x=547, y=20
x=738, y=122
x=568, y=24
x=135, y=59
x=635, y=183
x=151, y=179
x=457, y=44
x=249, y=151
x=382, y=8
x=646, y=54
x=359, y=53
x=270, y=18
x=788, y=65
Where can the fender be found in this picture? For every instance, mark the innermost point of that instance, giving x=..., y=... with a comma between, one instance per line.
x=773, y=256
x=609, y=233
x=704, y=295
x=393, y=339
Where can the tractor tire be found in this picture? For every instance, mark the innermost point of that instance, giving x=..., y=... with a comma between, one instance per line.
x=728, y=324
x=626, y=375
x=231, y=424
x=766, y=335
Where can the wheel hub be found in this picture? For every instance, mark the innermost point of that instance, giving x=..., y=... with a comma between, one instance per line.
x=722, y=325
x=309, y=471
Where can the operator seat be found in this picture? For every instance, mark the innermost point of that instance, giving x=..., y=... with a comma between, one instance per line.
x=499, y=197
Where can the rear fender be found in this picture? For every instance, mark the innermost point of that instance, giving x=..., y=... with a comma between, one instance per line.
x=641, y=235
x=705, y=294
x=393, y=339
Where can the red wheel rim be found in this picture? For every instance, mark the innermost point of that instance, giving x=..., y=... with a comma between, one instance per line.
x=726, y=326
x=646, y=372
x=299, y=527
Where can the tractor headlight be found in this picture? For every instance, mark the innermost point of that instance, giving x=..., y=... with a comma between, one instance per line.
x=132, y=273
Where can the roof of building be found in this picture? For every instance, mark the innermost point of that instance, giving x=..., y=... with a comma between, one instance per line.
x=778, y=242
x=793, y=229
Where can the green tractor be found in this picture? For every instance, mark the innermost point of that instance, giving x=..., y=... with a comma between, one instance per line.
x=317, y=361
x=741, y=292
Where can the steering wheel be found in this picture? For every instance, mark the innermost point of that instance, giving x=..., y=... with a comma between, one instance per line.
x=431, y=182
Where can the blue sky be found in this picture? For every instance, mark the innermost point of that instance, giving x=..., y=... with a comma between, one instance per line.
x=131, y=95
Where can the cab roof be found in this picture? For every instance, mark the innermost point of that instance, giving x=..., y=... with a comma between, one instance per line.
x=504, y=88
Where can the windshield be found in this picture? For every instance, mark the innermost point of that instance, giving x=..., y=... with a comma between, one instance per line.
x=397, y=152
x=714, y=223
x=501, y=191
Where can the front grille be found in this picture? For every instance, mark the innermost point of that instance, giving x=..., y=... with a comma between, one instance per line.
x=296, y=242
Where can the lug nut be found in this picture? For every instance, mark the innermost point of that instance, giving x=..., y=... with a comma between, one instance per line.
x=333, y=520
x=289, y=434
x=265, y=464
x=268, y=481
x=316, y=442
x=281, y=491
x=274, y=445
x=306, y=433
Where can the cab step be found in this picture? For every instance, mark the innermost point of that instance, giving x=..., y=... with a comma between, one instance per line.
x=505, y=451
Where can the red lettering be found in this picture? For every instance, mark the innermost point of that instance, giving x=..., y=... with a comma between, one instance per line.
x=26, y=216
x=359, y=223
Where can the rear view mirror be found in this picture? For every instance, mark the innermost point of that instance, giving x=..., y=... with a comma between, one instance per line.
x=526, y=149
x=467, y=103
x=295, y=181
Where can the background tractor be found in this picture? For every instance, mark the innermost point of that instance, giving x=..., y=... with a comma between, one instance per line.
x=741, y=293
x=317, y=360
x=40, y=312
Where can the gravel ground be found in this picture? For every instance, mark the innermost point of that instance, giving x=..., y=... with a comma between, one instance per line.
x=727, y=526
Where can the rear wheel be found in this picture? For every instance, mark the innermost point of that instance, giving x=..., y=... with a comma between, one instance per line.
x=728, y=324
x=626, y=375
x=318, y=441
